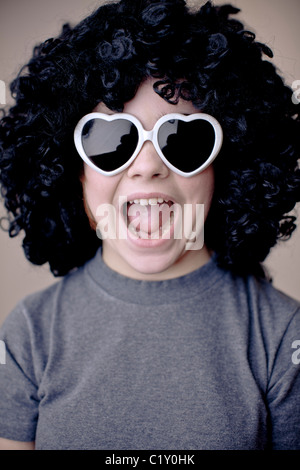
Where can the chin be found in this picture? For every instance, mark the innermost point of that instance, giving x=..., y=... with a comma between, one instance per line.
x=152, y=266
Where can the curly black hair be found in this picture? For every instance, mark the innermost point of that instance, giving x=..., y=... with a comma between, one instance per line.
x=204, y=56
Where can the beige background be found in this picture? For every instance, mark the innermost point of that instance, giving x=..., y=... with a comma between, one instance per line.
x=25, y=23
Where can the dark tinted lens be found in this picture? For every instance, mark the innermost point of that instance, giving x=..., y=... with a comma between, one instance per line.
x=109, y=144
x=186, y=145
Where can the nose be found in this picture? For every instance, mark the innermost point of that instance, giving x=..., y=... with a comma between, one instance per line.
x=148, y=164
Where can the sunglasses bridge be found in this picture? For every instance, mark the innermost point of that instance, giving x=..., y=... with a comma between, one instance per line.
x=147, y=135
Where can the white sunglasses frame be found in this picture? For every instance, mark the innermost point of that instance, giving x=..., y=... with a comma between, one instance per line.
x=144, y=136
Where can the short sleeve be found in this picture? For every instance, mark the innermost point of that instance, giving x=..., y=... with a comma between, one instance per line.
x=18, y=389
x=284, y=389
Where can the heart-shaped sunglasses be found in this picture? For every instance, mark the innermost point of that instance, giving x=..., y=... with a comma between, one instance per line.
x=186, y=144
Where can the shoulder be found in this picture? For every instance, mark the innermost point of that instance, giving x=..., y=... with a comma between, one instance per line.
x=270, y=302
x=250, y=296
x=274, y=322
x=265, y=324
x=32, y=329
x=35, y=313
x=262, y=312
x=257, y=296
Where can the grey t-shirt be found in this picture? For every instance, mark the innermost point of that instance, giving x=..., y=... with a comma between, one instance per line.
x=204, y=361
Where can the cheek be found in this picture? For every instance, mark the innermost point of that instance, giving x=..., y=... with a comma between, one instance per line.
x=201, y=188
x=96, y=190
x=209, y=187
x=88, y=199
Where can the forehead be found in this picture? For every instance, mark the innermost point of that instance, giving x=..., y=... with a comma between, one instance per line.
x=148, y=104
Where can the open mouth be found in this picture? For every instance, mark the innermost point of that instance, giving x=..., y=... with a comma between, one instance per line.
x=150, y=218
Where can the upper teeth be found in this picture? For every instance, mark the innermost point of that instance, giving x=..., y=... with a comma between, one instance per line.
x=152, y=201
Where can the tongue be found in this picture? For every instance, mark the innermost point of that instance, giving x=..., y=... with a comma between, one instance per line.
x=148, y=219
